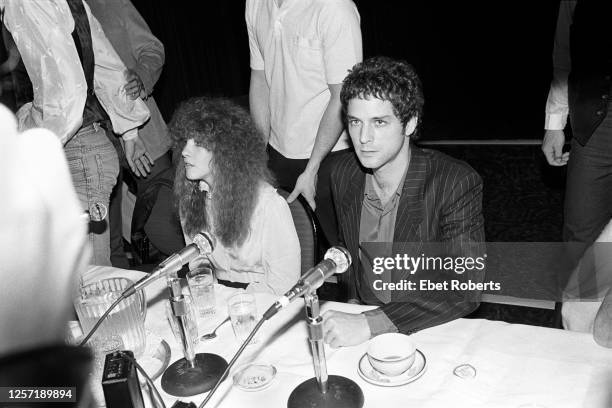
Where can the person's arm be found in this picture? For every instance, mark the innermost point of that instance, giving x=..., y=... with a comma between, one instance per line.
x=329, y=131
x=58, y=104
x=259, y=102
x=14, y=57
x=147, y=50
x=341, y=41
x=126, y=114
x=259, y=91
x=280, y=248
x=463, y=229
x=557, y=107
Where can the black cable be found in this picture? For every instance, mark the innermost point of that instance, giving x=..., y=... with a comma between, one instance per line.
x=100, y=320
x=147, y=378
x=231, y=363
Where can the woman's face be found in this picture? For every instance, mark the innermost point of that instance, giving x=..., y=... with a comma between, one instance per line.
x=197, y=162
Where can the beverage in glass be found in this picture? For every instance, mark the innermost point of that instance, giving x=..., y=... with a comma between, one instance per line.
x=243, y=315
x=201, y=285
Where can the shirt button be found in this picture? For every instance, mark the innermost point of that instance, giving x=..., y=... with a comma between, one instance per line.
x=599, y=113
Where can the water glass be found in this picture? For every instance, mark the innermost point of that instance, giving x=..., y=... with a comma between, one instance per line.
x=243, y=315
x=201, y=285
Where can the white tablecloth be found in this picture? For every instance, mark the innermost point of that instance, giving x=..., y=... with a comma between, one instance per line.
x=516, y=365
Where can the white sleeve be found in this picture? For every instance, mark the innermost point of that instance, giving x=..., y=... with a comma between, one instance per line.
x=257, y=62
x=42, y=34
x=281, y=247
x=557, y=107
x=109, y=81
x=341, y=34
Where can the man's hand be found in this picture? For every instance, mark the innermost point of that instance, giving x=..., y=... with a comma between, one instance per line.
x=305, y=185
x=134, y=87
x=345, y=329
x=138, y=157
x=552, y=146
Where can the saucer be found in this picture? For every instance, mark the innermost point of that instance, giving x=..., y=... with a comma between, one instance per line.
x=254, y=376
x=368, y=373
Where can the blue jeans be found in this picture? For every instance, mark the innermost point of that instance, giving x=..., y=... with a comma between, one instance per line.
x=94, y=167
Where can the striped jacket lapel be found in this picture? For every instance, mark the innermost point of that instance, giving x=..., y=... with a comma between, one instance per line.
x=410, y=211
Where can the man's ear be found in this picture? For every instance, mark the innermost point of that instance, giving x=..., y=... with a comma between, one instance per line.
x=411, y=125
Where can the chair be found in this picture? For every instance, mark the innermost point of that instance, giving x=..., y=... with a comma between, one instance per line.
x=305, y=225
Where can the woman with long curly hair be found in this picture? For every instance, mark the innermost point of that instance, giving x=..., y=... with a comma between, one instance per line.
x=223, y=186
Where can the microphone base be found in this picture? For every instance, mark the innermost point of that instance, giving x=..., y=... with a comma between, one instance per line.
x=182, y=380
x=341, y=393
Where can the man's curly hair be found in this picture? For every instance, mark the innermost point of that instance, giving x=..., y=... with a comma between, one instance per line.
x=238, y=167
x=390, y=80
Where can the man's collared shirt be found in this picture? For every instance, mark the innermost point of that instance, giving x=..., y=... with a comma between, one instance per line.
x=377, y=224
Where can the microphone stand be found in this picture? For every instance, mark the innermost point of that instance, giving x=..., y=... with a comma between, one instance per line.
x=195, y=373
x=322, y=391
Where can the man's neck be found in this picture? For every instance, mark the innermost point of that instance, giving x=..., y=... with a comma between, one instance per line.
x=388, y=177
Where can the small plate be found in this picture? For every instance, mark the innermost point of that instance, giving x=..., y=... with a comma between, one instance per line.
x=254, y=376
x=368, y=373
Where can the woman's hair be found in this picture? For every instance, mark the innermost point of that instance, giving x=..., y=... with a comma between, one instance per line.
x=238, y=167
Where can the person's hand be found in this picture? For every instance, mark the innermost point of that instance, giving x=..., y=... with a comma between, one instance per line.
x=138, y=158
x=134, y=87
x=306, y=185
x=345, y=329
x=552, y=146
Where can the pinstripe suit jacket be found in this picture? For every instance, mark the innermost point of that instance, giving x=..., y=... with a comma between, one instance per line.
x=441, y=201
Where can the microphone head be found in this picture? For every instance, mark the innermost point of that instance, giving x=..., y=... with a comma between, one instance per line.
x=340, y=256
x=205, y=243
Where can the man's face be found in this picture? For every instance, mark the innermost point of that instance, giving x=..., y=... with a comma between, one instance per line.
x=377, y=134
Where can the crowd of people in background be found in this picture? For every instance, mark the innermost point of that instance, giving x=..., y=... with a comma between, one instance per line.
x=322, y=123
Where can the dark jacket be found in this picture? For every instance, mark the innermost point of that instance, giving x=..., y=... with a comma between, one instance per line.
x=441, y=201
x=591, y=56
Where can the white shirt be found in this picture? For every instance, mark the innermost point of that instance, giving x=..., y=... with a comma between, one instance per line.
x=557, y=107
x=302, y=47
x=269, y=260
x=42, y=31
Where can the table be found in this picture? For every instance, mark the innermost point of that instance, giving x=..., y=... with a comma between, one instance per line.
x=517, y=365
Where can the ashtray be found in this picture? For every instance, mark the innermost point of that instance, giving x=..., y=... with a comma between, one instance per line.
x=254, y=376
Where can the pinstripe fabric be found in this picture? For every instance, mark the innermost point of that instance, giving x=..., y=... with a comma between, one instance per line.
x=441, y=202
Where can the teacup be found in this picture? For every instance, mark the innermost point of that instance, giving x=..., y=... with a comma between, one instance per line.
x=391, y=353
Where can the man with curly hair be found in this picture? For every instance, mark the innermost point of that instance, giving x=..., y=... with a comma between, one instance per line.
x=395, y=198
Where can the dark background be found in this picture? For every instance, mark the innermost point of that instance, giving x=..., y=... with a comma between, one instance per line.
x=485, y=66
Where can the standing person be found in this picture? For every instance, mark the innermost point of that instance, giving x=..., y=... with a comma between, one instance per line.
x=300, y=53
x=580, y=89
x=143, y=55
x=79, y=86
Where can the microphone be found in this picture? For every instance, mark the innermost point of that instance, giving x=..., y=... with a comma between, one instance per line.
x=203, y=244
x=336, y=260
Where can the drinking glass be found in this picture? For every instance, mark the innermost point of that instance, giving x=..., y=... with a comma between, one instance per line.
x=243, y=315
x=201, y=284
